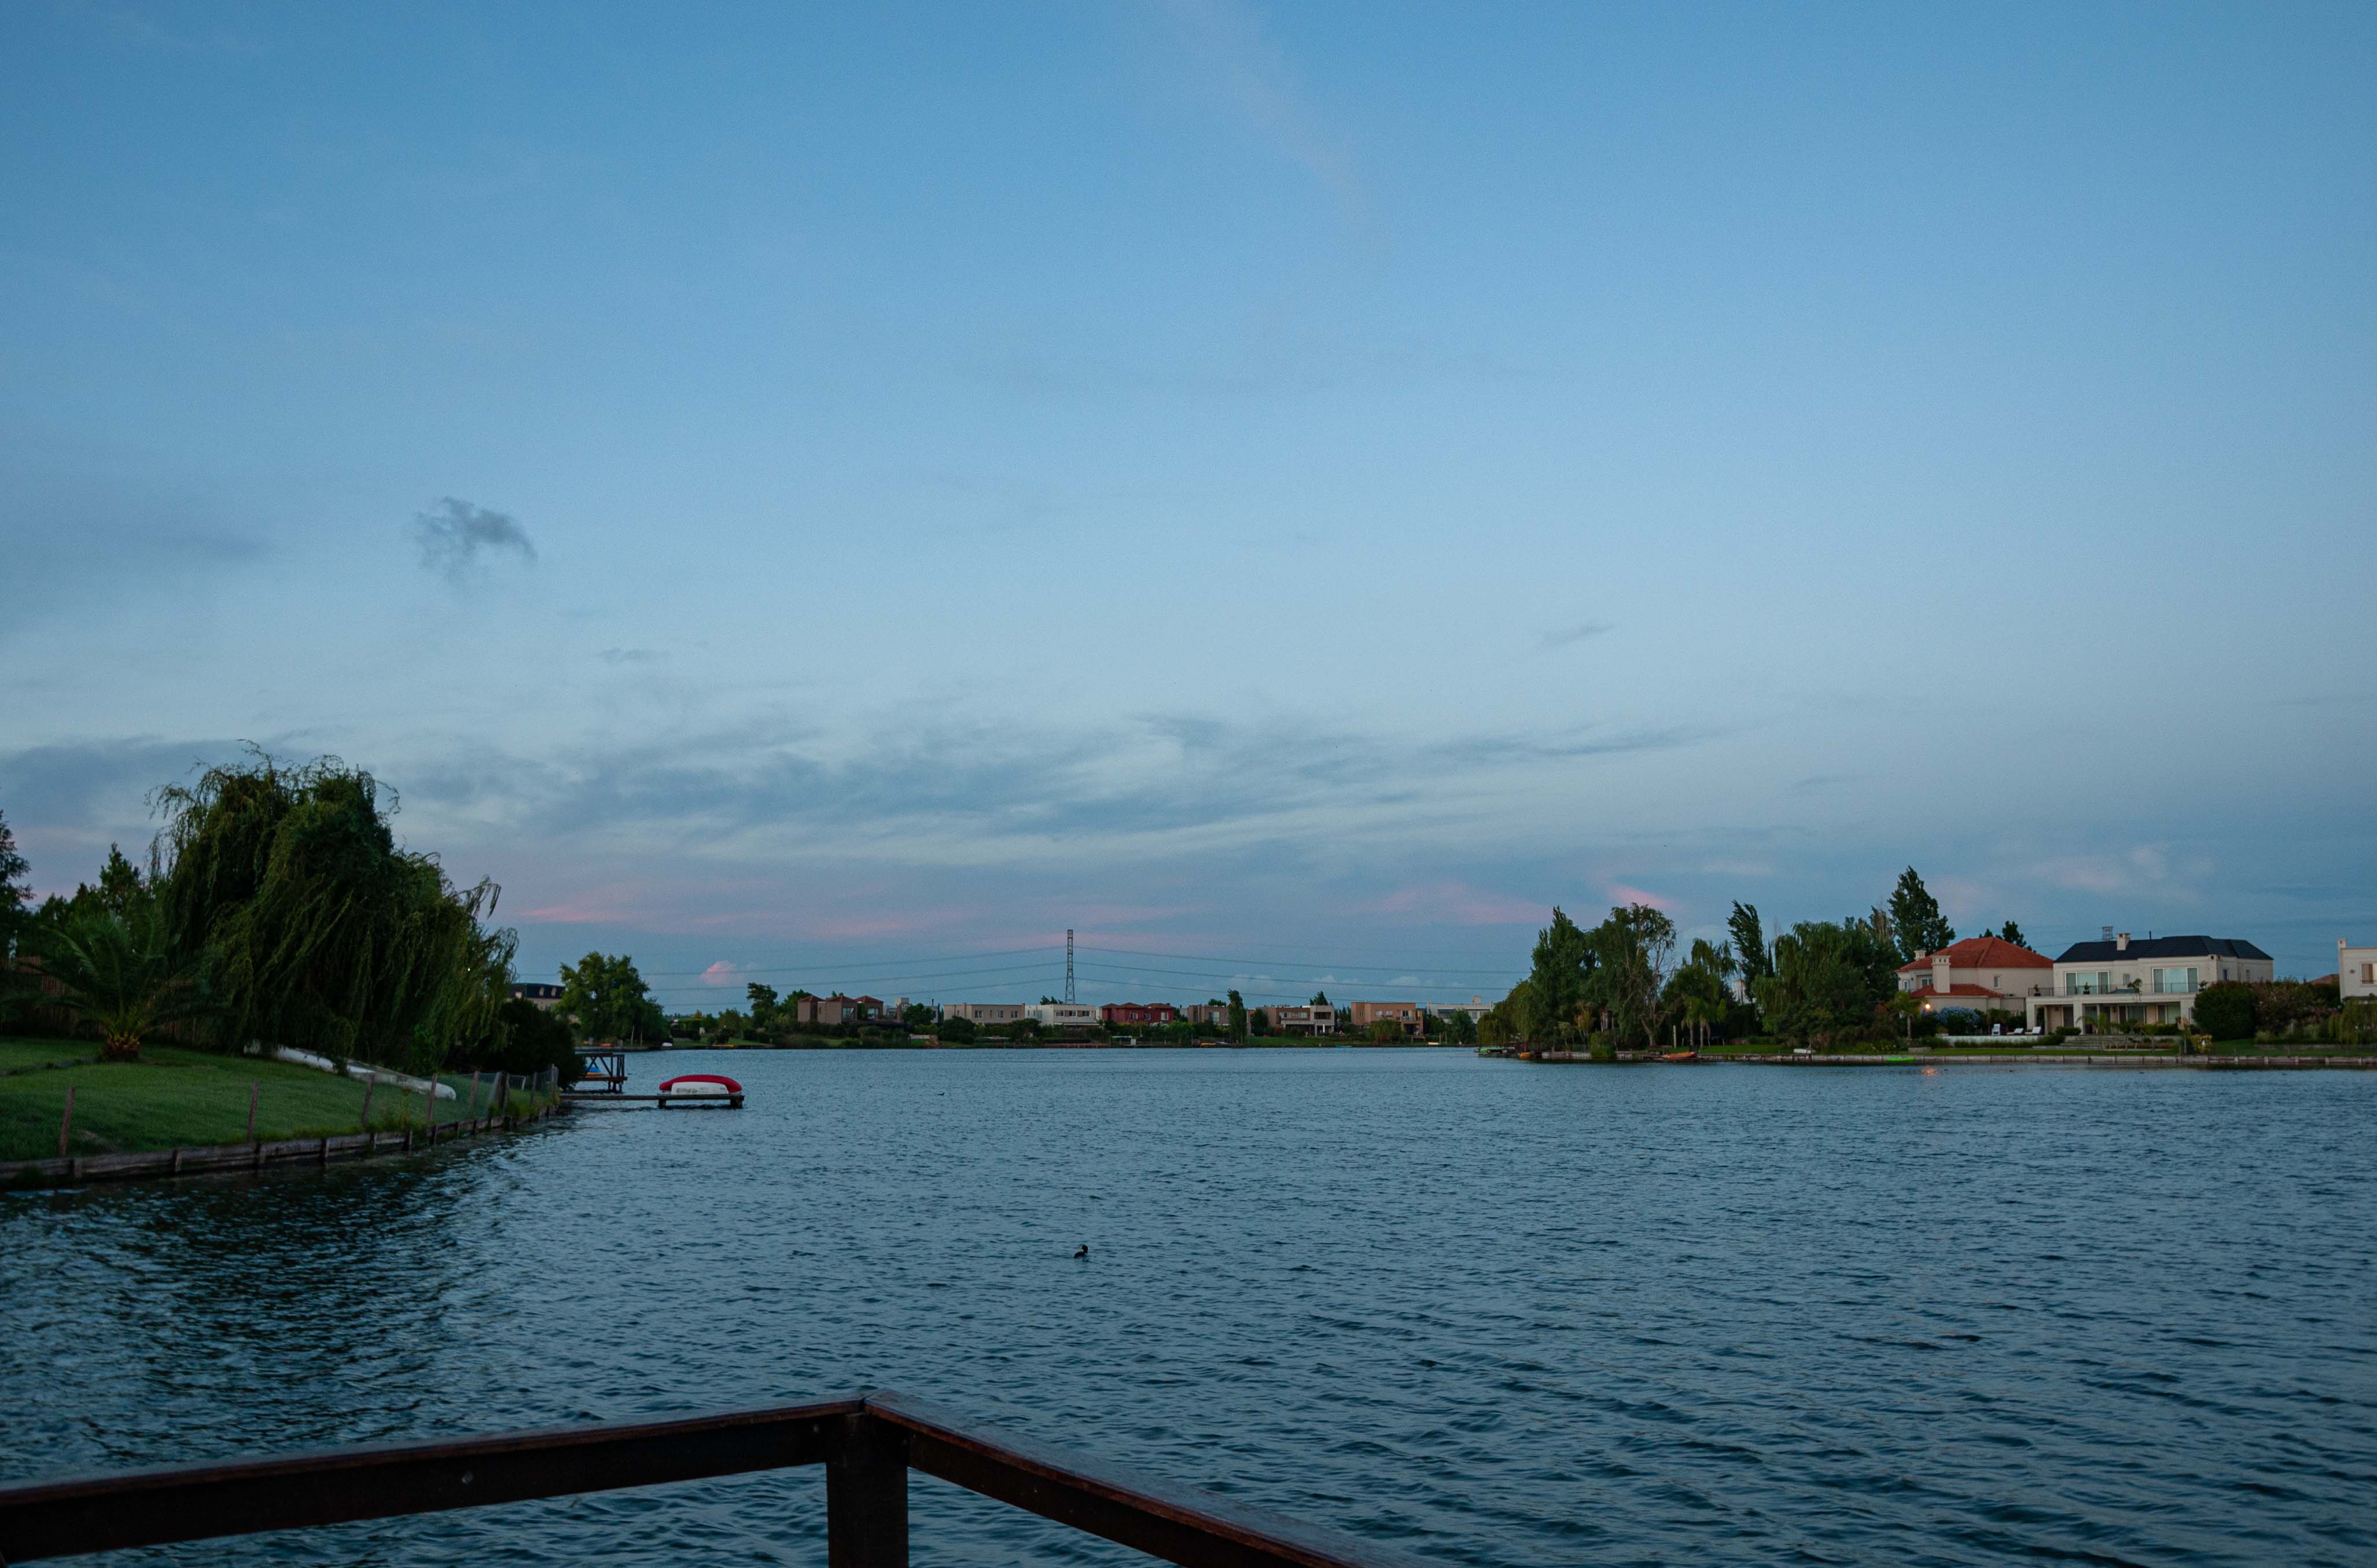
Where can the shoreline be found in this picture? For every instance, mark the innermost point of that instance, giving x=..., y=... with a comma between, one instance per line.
x=146, y=1164
x=1988, y=1058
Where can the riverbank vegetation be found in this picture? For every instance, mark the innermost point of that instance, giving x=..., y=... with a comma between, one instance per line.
x=276, y=907
x=1830, y=986
x=179, y=1097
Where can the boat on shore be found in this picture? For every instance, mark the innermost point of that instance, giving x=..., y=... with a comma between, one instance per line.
x=701, y=1085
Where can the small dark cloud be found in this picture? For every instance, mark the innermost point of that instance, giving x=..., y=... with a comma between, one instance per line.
x=632, y=655
x=454, y=536
x=1572, y=636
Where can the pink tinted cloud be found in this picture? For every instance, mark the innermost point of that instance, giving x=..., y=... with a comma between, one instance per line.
x=576, y=912
x=721, y=973
x=1624, y=894
x=1458, y=903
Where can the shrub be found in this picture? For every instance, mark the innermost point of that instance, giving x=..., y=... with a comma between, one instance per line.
x=525, y=1040
x=957, y=1031
x=2354, y=1024
x=2226, y=1010
x=1960, y=1021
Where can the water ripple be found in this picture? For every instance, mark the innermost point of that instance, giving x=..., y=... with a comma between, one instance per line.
x=1497, y=1314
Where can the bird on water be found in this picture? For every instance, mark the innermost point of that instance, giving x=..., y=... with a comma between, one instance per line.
x=1083, y=1253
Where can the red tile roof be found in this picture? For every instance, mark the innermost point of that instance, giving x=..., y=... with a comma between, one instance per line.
x=1983, y=952
x=1957, y=990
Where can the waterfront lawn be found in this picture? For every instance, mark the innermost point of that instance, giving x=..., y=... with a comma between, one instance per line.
x=25, y=1056
x=184, y=1099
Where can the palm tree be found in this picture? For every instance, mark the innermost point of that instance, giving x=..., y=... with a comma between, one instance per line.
x=120, y=970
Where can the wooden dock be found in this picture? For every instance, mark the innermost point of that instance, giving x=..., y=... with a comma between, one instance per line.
x=607, y=1097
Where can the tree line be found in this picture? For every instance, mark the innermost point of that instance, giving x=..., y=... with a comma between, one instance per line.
x=276, y=905
x=1620, y=985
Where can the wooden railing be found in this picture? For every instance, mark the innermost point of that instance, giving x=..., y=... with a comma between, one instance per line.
x=867, y=1443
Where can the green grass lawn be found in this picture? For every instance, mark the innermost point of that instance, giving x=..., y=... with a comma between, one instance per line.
x=182, y=1099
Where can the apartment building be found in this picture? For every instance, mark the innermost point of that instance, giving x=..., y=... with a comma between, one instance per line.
x=2123, y=981
x=1360, y=1015
x=1055, y=1015
x=1137, y=1014
x=1979, y=973
x=980, y=1012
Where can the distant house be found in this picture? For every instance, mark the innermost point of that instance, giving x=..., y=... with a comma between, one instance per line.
x=2155, y=981
x=1319, y=1019
x=836, y=1009
x=1137, y=1014
x=536, y=991
x=1984, y=974
x=984, y=1011
x=1362, y=1014
x=1206, y=1012
x=2356, y=970
x=1476, y=1007
x=1055, y=1015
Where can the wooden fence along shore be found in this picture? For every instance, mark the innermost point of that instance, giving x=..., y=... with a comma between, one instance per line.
x=80, y=1168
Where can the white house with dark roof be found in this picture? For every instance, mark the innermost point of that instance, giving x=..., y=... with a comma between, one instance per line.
x=2109, y=983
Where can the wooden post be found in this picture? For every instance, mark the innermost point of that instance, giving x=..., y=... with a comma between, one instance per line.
x=66, y=1122
x=866, y=1496
x=369, y=1085
x=251, y=1088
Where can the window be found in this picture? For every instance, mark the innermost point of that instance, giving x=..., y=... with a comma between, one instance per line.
x=2173, y=982
x=2088, y=985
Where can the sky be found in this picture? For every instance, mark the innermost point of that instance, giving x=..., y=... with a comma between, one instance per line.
x=842, y=495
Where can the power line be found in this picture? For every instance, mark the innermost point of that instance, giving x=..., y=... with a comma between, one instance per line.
x=846, y=979
x=1297, y=963
x=1284, y=979
x=875, y=963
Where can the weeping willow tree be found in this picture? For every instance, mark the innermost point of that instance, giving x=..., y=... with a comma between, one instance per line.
x=319, y=931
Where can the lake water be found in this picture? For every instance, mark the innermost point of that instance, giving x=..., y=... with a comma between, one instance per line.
x=1495, y=1312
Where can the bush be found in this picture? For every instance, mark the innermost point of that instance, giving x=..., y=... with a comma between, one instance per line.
x=2225, y=1010
x=957, y=1031
x=526, y=1039
x=1960, y=1021
x=2354, y=1024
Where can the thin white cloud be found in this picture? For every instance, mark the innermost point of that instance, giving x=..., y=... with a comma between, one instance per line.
x=1573, y=635
x=1230, y=42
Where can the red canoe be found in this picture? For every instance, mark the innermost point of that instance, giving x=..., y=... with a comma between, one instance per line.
x=702, y=1084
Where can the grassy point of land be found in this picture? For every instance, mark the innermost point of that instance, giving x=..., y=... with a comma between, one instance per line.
x=184, y=1099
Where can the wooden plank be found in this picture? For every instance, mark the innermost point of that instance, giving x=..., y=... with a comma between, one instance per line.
x=866, y=1495
x=106, y=1512
x=1178, y=1524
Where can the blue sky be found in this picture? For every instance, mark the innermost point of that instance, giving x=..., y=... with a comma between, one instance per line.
x=802, y=490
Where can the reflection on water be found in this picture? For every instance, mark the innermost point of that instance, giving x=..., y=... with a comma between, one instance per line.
x=1497, y=1313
